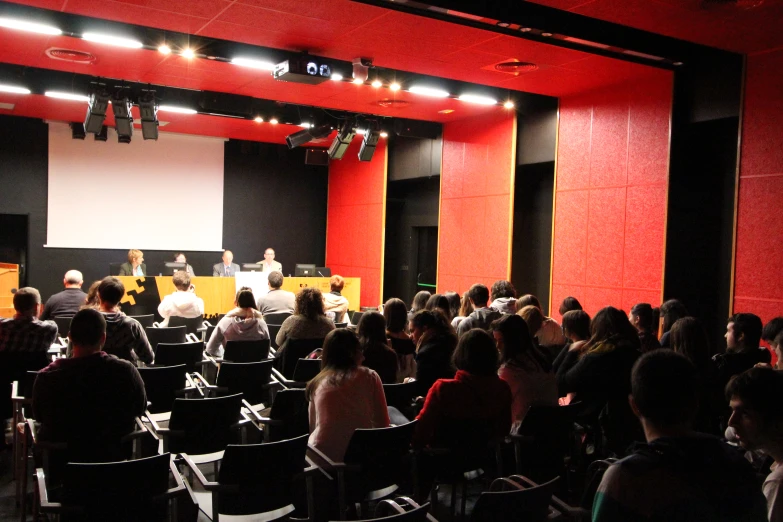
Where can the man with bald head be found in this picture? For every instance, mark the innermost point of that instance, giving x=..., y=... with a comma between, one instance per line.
x=67, y=302
x=227, y=268
x=269, y=264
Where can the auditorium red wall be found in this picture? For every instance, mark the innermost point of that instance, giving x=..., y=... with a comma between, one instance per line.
x=610, y=206
x=475, y=205
x=354, y=220
x=758, y=280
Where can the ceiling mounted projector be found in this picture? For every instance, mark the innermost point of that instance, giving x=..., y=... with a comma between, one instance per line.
x=306, y=69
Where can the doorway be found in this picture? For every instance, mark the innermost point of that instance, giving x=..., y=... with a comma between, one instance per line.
x=426, y=257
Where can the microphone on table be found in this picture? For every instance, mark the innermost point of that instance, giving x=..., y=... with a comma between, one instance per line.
x=320, y=274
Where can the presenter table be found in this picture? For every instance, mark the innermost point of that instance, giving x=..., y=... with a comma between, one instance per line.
x=143, y=294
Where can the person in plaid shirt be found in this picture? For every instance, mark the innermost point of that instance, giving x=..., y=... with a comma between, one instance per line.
x=24, y=332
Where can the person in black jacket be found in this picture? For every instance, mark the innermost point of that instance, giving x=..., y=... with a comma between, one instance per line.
x=641, y=318
x=435, y=343
x=743, y=336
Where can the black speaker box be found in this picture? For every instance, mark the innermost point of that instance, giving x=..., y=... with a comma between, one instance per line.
x=316, y=157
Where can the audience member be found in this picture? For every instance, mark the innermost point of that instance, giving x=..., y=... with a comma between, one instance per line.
x=465, y=309
x=344, y=396
x=743, y=336
x=435, y=343
x=670, y=311
x=419, y=302
x=334, y=301
x=135, y=265
x=93, y=300
x=641, y=318
x=524, y=368
x=90, y=386
x=550, y=333
x=378, y=355
x=777, y=347
x=769, y=335
x=67, y=302
x=183, y=302
x=396, y=314
x=598, y=374
x=454, y=303
x=125, y=337
x=243, y=323
x=179, y=257
x=25, y=332
x=439, y=302
x=678, y=474
x=533, y=318
x=482, y=316
x=569, y=304
x=227, y=268
x=269, y=264
x=277, y=300
x=757, y=419
x=689, y=339
x=504, y=297
x=309, y=320
x=576, y=329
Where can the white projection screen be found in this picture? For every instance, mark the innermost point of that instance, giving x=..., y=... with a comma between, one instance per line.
x=155, y=195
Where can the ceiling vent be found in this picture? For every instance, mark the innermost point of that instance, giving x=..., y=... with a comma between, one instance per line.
x=390, y=103
x=512, y=67
x=70, y=55
x=729, y=4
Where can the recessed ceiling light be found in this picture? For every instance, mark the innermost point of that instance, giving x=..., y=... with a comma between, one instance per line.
x=384, y=135
x=188, y=53
x=546, y=34
x=337, y=77
x=525, y=29
x=273, y=121
x=446, y=111
x=259, y=119
x=108, y=39
x=255, y=64
x=173, y=108
x=677, y=63
x=377, y=84
x=509, y=105
x=13, y=89
x=164, y=49
x=394, y=86
x=66, y=96
x=306, y=125
x=503, y=24
x=429, y=91
x=475, y=98
x=358, y=81
x=31, y=27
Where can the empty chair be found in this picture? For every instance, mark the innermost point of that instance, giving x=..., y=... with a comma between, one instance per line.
x=163, y=385
x=63, y=325
x=288, y=417
x=273, y=329
x=255, y=479
x=207, y=332
x=276, y=318
x=173, y=354
x=247, y=351
x=395, y=512
x=526, y=502
x=145, y=320
x=401, y=396
x=174, y=335
x=192, y=325
x=135, y=490
x=253, y=380
x=293, y=350
x=306, y=369
x=544, y=440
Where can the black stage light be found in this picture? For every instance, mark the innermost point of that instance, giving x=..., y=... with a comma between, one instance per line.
x=77, y=131
x=96, y=111
x=321, y=131
x=370, y=141
x=298, y=138
x=123, y=118
x=149, y=116
x=103, y=135
x=342, y=140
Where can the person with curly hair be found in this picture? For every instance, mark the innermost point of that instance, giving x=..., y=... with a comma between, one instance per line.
x=309, y=320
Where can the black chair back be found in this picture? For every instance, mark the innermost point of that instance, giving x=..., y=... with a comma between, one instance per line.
x=114, y=269
x=341, y=325
x=247, y=351
x=276, y=318
x=471, y=446
x=191, y=324
x=547, y=439
x=145, y=320
x=418, y=514
x=174, y=335
x=400, y=395
x=123, y=491
x=290, y=407
x=162, y=385
x=306, y=369
x=273, y=329
x=263, y=475
x=200, y=426
x=529, y=504
x=63, y=325
x=172, y=354
x=250, y=379
x=403, y=346
x=216, y=319
x=357, y=316
x=293, y=350
x=208, y=332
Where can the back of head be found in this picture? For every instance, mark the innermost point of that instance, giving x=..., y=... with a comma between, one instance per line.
x=454, y=302
x=87, y=329
x=479, y=294
x=432, y=320
x=465, y=306
x=760, y=390
x=503, y=288
x=396, y=314
x=245, y=298
x=516, y=337
x=577, y=323
x=309, y=303
x=339, y=355
x=181, y=280
x=420, y=300
x=371, y=329
x=438, y=302
x=772, y=329
x=528, y=300
x=672, y=310
x=26, y=300
x=750, y=326
x=644, y=312
x=92, y=295
x=275, y=279
x=476, y=353
x=569, y=304
x=689, y=339
x=611, y=324
x=533, y=317
x=73, y=277
x=111, y=290
x=664, y=386
x=336, y=283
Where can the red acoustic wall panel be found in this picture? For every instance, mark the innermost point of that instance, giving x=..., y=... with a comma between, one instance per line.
x=758, y=276
x=475, y=201
x=355, y=216
x=610, y=202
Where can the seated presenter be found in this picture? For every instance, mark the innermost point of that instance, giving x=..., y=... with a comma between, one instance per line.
x=183, y=302
x=227, y=268
x=179, y=257
x=269, y=264
x=135, y=265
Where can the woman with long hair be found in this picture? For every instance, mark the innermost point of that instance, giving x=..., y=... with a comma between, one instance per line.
x=435, y=343
x=670, y=311
x=396, y=314
x=309, y=320
x=378, y=355
x=419, y=303
x=439, y=302
x=641, y=318
x=465, y=309
x=523, y=366
x=243, y=323
x=93, y=300
x=344, y=396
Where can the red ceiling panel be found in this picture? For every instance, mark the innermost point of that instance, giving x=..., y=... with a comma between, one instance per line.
x=540, y=54
x=134, y=14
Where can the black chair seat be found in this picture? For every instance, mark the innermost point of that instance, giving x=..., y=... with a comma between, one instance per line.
x=173, y=354
x=201, y=426
x=306, y=369
x=251, y=379
x=277, y=318
x=163, y=385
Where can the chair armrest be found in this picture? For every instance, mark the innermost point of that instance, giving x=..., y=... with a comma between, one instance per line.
x=193, y=385
x=322, y=455
x=155, y=324
x=197, y=472
x=212, y=359
x=191, y=337
x=280, y=379
x=43, y=494
x=140, y=430
x=15, y=391
x=33, y=431
x=252, y=411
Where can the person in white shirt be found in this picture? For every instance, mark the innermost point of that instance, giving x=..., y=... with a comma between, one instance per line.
x=183, y=302
x=269, y=264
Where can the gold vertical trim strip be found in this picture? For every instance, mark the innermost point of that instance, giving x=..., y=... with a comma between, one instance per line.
x=512, y=188
x=383, y=214
x=328, y=194
x=666, y=203
x=737, y=166
x=554, y=211
x=440, y=203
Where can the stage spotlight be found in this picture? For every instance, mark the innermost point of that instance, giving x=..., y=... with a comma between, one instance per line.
x=123, y=118
x=369, y=143
x=96, y=111
x=77, y=131
x=321, y=131
x=149, y=116
x=298, y=138
x=342, y=140
x=103, y=135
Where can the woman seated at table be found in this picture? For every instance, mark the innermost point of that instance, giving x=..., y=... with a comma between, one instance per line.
x=135, y=265
x=309, y=320
x=243, y=323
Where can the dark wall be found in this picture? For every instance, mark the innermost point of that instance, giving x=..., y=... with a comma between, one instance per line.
x=271, y=199
x=414, y=158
